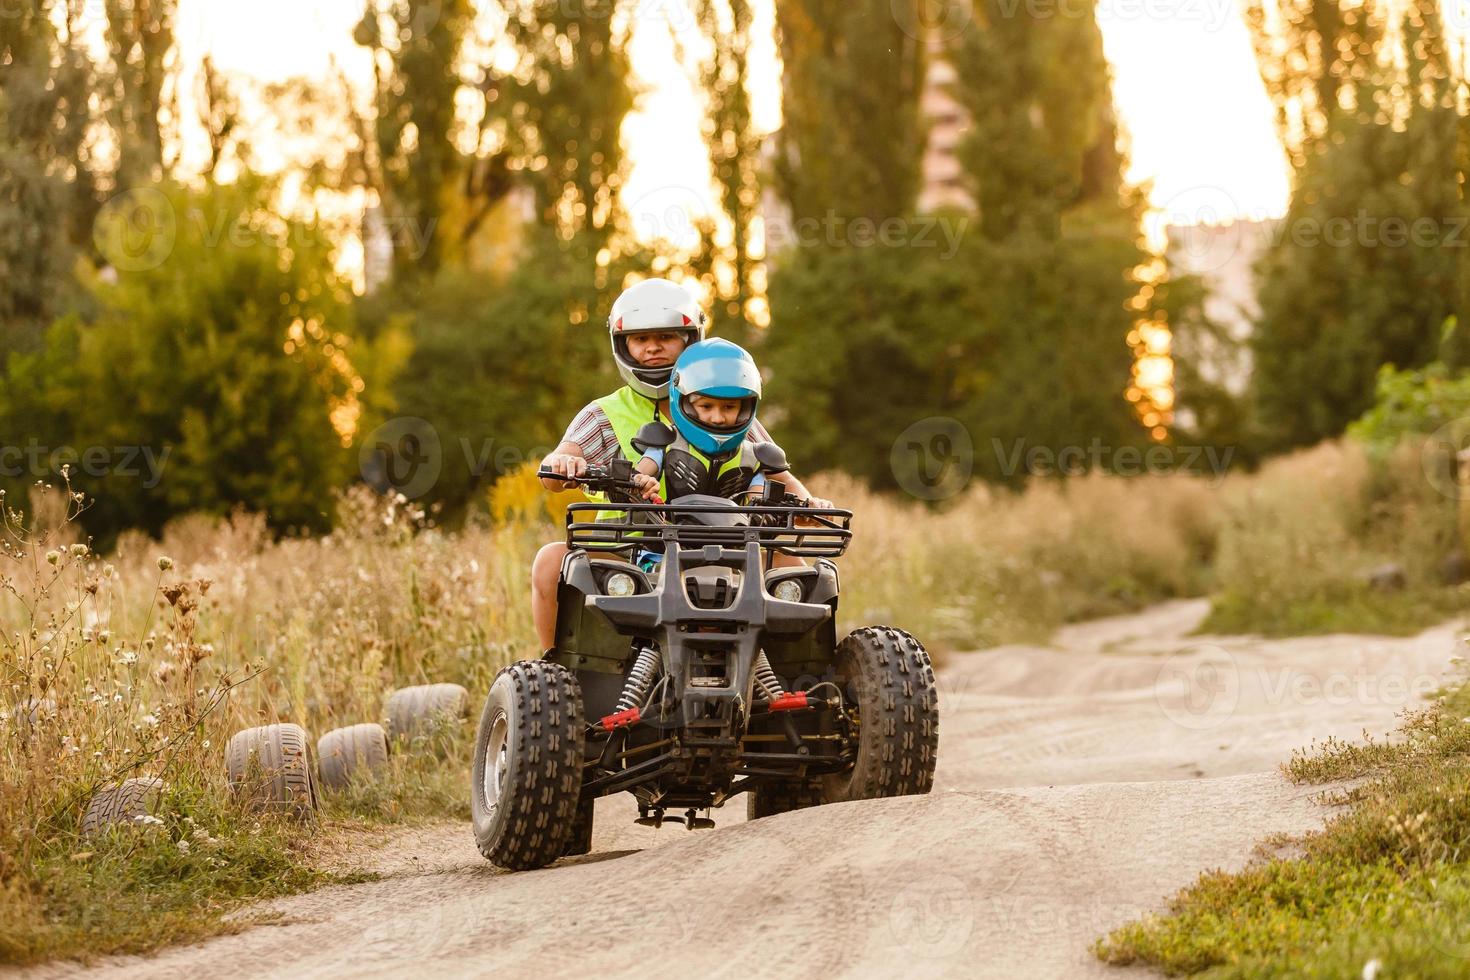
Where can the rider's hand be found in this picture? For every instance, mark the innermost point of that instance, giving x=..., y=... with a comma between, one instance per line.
x=817, y=502
x=647, y=485
x=565, y=464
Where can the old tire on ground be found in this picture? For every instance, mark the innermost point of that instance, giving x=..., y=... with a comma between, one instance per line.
x=772, y=798
x=526, y=781
x=355, y=751
x=272, y=766
x=887, y=675
x=120, y=804
x=413, y=710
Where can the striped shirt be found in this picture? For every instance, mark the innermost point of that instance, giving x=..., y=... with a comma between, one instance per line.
x=593, y=431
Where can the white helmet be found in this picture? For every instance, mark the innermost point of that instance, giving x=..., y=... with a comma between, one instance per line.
x=653, y=305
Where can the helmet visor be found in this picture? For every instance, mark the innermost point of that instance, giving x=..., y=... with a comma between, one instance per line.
x=742, y=418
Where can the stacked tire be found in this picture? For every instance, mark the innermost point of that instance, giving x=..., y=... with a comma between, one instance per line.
x=426, y=709
x=272, y=767
x=123, y=804
x=354, y=752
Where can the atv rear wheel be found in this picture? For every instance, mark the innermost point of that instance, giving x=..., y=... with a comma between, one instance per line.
x=887, y=676
x=527, y=775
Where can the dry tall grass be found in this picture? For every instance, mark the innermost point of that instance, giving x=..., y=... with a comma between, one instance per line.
x=144, y=662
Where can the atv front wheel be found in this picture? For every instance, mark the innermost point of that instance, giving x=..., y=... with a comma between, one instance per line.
x=886, y=675
x=527, y=774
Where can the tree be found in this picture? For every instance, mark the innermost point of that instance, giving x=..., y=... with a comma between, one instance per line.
x=1042, y=139
x=47, y=192
x=561, y=109
x=503, y=358
x=140, y=42
x=233, y=363
x=852, y=138
x=724, y=261
x=865, y=343
x=499, y=367
x=416, y=46
x=1371, y=260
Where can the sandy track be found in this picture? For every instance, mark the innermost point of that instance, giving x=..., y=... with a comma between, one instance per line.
x=1079, y=785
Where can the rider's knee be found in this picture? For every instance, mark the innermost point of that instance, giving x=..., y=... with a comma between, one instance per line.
x=547, y=565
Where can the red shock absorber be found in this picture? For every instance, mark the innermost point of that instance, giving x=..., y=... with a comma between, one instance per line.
x=795, y=701
x=620, y=718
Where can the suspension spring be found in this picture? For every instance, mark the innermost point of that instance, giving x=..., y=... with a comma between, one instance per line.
x=766, y=677
x=640, y=679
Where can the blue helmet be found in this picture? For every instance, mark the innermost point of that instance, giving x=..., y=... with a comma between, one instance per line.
x=715, y=369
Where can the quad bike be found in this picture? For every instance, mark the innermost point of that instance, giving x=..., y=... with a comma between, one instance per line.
x=688, y=670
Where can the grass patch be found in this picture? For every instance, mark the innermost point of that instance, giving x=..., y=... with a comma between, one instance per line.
x=1352, y=611
x=139, y=889
x=1387, y=880
x=133, y=890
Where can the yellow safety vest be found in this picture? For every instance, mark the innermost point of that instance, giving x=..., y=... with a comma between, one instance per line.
x=628, y=412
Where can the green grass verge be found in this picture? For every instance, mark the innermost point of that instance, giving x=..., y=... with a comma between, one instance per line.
x=137, y=890
x=1352, y=611
x=1386, y=880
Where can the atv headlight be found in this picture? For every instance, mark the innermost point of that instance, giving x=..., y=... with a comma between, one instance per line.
x=620, y=584
x=788, y=590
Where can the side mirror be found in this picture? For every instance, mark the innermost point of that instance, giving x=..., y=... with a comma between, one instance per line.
x=653, y=435
x=771, y=457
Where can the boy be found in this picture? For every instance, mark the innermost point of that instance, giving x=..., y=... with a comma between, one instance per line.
x=716, y=388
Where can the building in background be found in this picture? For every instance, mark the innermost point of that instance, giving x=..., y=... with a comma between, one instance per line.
x=1223, y=256
x=943, y=186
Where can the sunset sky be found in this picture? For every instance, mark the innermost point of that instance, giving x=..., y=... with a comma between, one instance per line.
x=1197, y=119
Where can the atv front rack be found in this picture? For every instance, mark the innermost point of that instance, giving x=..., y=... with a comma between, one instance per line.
x=638, y=525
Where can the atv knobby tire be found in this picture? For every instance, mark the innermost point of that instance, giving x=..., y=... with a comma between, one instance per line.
x=272, y=767
x=526, y=781
x=580, y=841
x=422, y=709
x=887, y=675
x=120, y=804
x=781, y=797
x=359, y=751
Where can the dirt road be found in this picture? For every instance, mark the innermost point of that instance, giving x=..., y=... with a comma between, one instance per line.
x=1079, y=785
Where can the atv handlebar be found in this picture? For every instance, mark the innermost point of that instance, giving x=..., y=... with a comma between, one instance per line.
x=822, y=533
x=611, y=480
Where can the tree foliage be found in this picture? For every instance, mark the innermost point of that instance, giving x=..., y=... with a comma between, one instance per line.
x=725, y=262
x=234, y=362
x=865, y=343
x=1042, y=138
x=499, y=368
x=1372, y=258
x=853, y=137
x=416, y=46
x=47, y=191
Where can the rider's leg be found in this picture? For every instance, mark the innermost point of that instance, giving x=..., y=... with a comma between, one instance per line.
x=545, y=574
